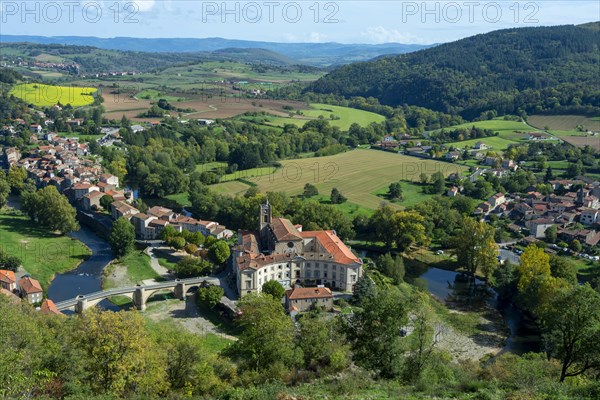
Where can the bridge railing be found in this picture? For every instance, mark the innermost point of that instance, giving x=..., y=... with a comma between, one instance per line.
x=117, y=291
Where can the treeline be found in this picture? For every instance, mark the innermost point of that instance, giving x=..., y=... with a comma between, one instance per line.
x=456, y=135
x=512, y=71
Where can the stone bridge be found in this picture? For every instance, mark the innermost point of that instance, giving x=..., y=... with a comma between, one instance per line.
x=138, y=294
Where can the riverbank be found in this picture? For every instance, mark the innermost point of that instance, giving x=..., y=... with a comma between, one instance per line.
x=42, y=253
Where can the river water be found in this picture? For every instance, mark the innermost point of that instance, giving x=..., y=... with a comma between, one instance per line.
x=463, y=290
x=87, y=277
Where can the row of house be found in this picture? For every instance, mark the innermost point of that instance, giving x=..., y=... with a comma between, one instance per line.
x=27, y=288
x=149, y=225
x=576, y=214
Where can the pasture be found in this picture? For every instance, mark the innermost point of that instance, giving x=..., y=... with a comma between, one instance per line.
x=343, y=117
x=510, y=130
x=564, y=122
x=48, y=95
x=357, y=174
x=496, y=143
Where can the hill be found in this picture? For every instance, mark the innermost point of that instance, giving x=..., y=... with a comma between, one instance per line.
x=93, y=59
x=541, y=69
x=318, y=54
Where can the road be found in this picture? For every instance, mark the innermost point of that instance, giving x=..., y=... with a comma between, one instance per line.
x=510, y=256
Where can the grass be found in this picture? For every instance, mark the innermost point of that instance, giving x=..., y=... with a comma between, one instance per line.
x=48, y=95
x=347, y=116
x=152, y=94
x=357, y=174
x=248, y=173
x=138, y=266
x=211, y=166
x=496, y=143
x=412, y=194
x=166, y=260
x=43, y=254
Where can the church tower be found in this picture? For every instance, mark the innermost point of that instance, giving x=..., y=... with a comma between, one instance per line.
x=265, y=216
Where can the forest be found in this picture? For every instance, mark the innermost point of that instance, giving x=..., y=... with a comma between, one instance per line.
x=532, y=70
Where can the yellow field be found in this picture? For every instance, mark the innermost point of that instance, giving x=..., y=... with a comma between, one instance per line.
x=357, y=174
x=48, y=95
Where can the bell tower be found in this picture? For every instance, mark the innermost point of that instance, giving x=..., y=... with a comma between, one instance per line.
x=265, y=216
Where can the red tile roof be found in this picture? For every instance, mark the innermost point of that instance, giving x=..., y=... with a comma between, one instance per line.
x=7, y=276
x=332, y=245
x=308, y=293
x=48, y=307
x=30, y=285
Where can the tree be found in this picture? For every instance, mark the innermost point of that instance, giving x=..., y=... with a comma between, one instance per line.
x=475, y=247
x=189, y=267
x=575, y=169
x=575, y=245
x=564, y=268
x=365, y=288
x=398, y=228
x=310, y=190
x=572, y=329
x=549, y=175
x=50, y=209
x=374, y=333
x=551, y=234
x=190, y=248
x=16, y=178
x=438, y=183
x=4, y=191
x=118, y=355
x=274, y=289
x=106, y=201
x=177, y=242
x=211, y=295
x=267, y=341
x=422, y=342
x=122, y=237
x=337, y=197
x=392, y=267
x=395, y=191
x=219, y=252
x=322, y=343
x=536, y=284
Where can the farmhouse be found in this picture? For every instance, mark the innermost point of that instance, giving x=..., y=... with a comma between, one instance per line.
x=281, y=251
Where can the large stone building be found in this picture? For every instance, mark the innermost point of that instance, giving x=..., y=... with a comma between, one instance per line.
x=281, y=251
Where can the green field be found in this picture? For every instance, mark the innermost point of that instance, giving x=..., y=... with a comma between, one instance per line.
x=496, y=143
x=511, y=130
x=357, y=174
x=152, y=94
x=347, y=116
x=48, y=95
x=43, y=254
x=411, y=192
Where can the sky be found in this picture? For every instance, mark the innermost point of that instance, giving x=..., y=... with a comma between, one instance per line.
x=344, y=21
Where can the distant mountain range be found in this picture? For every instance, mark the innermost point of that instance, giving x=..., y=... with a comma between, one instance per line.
x=317, y=54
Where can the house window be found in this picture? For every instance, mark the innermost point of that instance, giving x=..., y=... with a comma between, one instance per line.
x=334, y=267
x=308, y=274
x=325, y=274
x=317, y=273
x=297, y=274
x=290, y=245
x=308, y=265
x=287, y=274
x=353, y=278
x=248, y=284
x=333, y=275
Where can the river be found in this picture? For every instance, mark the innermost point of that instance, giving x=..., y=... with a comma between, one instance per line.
x=460, y=289
x=457, y=288
x=87, y=277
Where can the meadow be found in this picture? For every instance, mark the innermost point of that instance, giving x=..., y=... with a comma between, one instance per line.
x=343, y=116
x=49, y=95
x=43, y=254
x=358, y=174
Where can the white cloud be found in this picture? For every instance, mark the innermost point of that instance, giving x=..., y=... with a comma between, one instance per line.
x=144, y=5
x=379, y=34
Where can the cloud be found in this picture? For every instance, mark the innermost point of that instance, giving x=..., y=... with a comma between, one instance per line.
x=144, y=5
x=379, y=34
